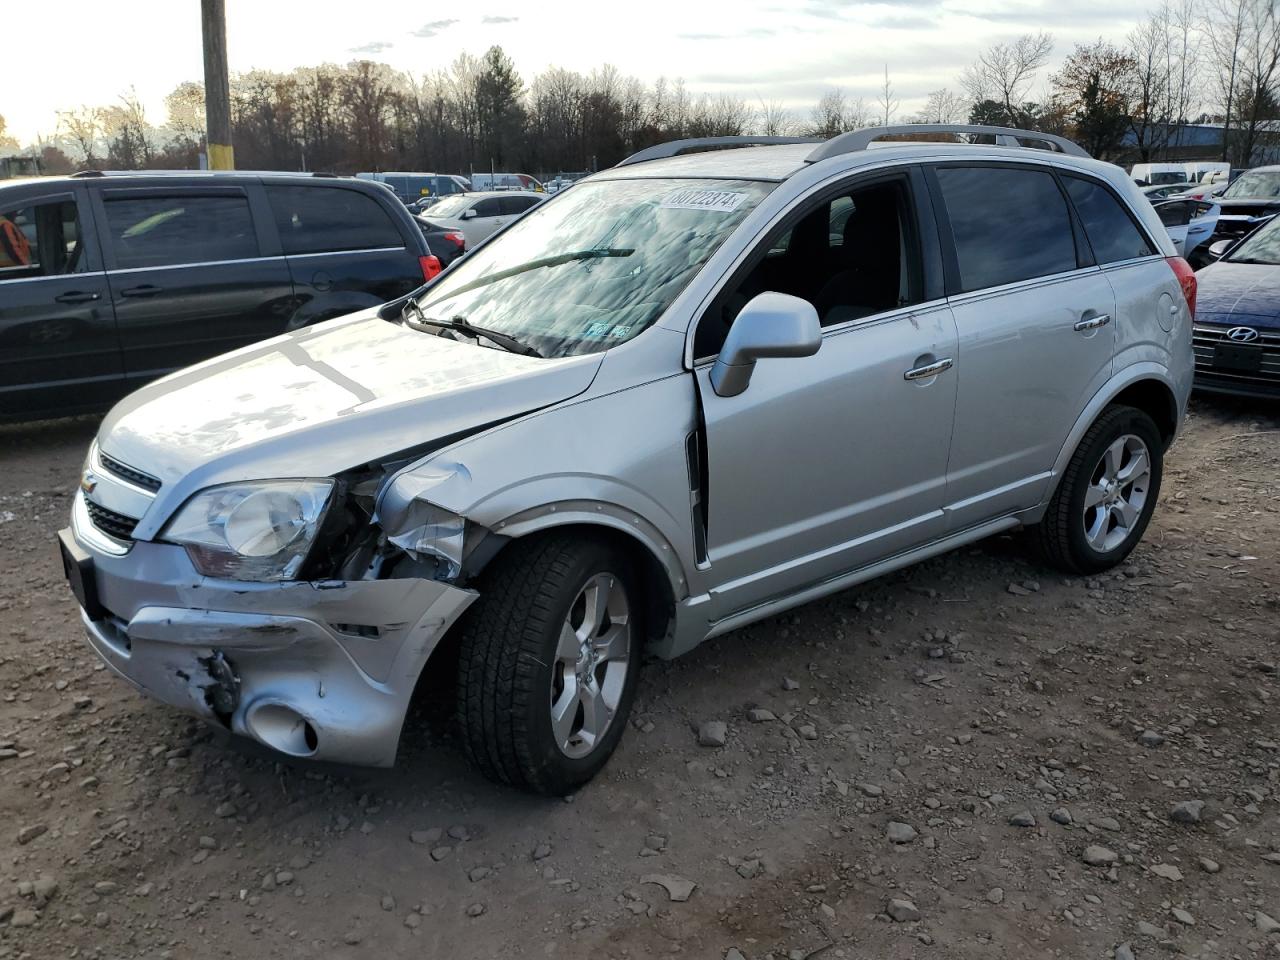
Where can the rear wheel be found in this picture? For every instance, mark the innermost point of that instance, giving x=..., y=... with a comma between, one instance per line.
x=1107, y=494
x=548, y=663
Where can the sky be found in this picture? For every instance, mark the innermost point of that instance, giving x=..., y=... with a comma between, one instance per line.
x=763, y=50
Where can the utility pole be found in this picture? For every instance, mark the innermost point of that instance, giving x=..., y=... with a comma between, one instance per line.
x=217, y=85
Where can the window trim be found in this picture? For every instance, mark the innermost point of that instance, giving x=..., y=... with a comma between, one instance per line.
x=101, y=196
x=950, y=253
x=921, y=223
x=1063, y=175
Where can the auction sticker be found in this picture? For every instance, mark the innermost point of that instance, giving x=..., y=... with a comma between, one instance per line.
x=714, y=201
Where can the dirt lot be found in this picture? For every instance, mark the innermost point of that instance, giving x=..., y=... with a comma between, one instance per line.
x=961, y=698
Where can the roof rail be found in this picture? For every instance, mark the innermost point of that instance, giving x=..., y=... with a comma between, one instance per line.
x=1005, y=136
x=88, y=173
x=676, y=147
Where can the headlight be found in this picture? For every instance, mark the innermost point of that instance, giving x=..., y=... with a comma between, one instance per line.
x=251, y=531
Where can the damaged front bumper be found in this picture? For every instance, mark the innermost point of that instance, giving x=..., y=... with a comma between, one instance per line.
x=320, y=669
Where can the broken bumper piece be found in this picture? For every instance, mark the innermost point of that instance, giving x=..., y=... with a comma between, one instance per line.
x=323, y=670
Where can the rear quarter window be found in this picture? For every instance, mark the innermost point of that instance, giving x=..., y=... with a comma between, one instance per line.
x=329, y=220
x=1009, y=224
x=1110, y=228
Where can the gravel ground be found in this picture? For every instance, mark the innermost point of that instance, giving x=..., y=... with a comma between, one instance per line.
x=976, y=758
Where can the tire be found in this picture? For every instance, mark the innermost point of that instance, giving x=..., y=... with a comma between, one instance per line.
x=514, y=670
x=1095, y=518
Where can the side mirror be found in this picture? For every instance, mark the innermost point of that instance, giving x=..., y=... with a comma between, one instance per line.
x=470, y=213
x=770, y=325
x=1219, y=250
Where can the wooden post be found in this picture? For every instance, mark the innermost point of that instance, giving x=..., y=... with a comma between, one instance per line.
x=217, y=85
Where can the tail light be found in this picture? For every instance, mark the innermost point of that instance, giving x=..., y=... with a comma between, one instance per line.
x=456, y=238
x=1186, y=279
x=431, y=269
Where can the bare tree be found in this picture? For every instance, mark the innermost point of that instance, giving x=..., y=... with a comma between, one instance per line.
x=6, y=142
x=1226, y=33
x=775, y=120
x=83, y=127
x=887, y=101
x=942, y=106
x=835, y=113
x=1005, y=72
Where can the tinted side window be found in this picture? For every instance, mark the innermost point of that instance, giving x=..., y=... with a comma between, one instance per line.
x=511, y=206
x=489, y=208
x=160, y=231
x=42, y=240
x=1111, y=231
x=1009, y=224
x=1176, y=213
x=329, y=219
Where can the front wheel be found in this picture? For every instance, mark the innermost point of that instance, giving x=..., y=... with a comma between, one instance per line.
x=1107, y=494
x=549, y=659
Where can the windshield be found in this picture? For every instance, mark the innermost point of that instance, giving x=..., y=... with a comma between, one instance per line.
x=1256, y=183
x=451, y=206
x=1262, y=247
x=595, y=266
x=1167, y=176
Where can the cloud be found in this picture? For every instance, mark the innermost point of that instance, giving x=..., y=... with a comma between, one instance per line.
x=495, y=20
x=374, y=46
x=434, y=28
x=904, y=23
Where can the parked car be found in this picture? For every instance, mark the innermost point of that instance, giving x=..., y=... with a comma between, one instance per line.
x=1190, y=224
x=1163, y=190
x=1237, y=329
x=668, y=403
x=447, y=243
x=411, y=187
x=477, y=215
x=130, y=277
x=1252, y=199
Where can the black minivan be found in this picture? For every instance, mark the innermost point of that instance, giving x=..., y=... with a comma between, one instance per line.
x=108, y=281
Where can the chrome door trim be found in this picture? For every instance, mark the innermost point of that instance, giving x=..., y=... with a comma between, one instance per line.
x=928, y=370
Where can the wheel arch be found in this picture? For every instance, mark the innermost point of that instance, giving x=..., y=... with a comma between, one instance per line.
x=662, y=579
x=1146, y=386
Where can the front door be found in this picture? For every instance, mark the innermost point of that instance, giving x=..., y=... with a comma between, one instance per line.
x=188, y=276
x=58, y=347
x=831, y=462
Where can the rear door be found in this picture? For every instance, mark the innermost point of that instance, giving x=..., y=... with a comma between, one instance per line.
x=58, y=347
x=1035, y=322
x=190, y=275
x=344, y=249
x=515, y=205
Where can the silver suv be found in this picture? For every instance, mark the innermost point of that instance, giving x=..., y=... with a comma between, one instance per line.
x=697, y=389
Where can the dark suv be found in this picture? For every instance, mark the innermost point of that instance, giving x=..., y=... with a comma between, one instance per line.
x=108, y=281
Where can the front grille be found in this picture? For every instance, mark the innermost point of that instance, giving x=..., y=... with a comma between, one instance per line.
x=1206, y=339
x=109, y=522
x=127, y=473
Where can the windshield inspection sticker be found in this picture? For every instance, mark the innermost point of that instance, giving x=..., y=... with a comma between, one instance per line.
x=715, y=201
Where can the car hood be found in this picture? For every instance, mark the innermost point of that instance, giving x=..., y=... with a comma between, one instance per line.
x=1239, y=294
x=324, y=399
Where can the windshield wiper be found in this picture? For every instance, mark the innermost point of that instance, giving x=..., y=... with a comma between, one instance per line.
x=596, y=253
x=414, y=317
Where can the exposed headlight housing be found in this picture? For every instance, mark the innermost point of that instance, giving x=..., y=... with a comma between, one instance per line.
x=258, y=531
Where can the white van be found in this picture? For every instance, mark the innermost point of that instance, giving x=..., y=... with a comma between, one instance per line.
x=1154, y=174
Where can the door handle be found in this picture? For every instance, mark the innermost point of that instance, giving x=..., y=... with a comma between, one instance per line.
x=76, y=296
x=1093, y=323
x=928, y=370
x=145, y=290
